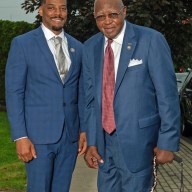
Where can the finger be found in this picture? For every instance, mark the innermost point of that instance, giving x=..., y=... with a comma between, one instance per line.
x=33, y=152
x=20, y=158
x=155, y=150
x=82, y=141
x=26, y=157
x=80, y=146
x=98, y=157
x=83, y=149
x=95, y=163
x=23, y=158
x=89, y=161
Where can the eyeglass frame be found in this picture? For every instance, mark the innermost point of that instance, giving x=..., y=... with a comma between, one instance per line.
x=112, y=15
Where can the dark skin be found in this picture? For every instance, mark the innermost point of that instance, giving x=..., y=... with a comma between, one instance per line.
x=111, y=28
x=54, y=16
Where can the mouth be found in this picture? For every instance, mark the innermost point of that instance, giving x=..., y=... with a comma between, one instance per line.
x=57, y=20
x=109, y=29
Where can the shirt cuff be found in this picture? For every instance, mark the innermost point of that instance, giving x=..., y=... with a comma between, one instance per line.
x=20, y=138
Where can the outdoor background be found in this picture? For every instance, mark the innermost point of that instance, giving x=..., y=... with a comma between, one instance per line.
x=172, y=18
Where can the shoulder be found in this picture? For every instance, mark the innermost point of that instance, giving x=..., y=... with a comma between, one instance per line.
x=146, y=36
x=28, y=35
x=140, y=29
x=94, y=39
x=27, y=39
x=144, y=32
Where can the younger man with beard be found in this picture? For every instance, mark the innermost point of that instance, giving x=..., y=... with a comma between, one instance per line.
x=44, y=101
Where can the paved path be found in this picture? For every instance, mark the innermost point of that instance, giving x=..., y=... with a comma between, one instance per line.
x=84, y=179
x=169, y=175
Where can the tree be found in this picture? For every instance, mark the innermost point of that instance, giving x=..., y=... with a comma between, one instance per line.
x=80, y=22
x=8, y=31
x=166, y=16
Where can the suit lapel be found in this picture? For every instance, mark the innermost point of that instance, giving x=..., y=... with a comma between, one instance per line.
x=128, y=47
x=71, y=51
x=98, y=65
x=44, y=48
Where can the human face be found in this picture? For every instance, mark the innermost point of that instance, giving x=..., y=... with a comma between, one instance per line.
x=54, y=14
x=109, y=15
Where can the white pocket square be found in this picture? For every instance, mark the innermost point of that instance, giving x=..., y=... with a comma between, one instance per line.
x=134, y=62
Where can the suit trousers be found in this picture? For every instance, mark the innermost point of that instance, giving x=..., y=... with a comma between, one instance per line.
x=113, y=174
x=53, y=168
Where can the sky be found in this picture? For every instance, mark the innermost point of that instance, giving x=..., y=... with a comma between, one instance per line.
x=11, y=10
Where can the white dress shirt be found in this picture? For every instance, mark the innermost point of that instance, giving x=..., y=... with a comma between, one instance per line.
x=49, y=37
x=116, y=46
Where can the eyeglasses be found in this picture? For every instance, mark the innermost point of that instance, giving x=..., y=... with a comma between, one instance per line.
x=110, y=15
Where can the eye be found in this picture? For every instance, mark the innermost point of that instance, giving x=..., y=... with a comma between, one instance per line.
x=50, y=8
x=100, y=17
x=113, y=15
x=64, y=9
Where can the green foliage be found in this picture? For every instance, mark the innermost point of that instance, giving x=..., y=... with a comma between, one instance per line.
x=166, y=16
x=8, y=31
x=81, y=23
x=12, y=171
x=170, y=17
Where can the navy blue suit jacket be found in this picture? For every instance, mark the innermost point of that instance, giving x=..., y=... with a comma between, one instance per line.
x=38, y=103
x=146, y=104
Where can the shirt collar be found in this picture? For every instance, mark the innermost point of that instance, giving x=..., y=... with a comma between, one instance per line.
x=49, y=34
x=119, y=38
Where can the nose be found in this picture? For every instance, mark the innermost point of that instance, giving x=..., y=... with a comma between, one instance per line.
x=107, y=20
x=58, y=11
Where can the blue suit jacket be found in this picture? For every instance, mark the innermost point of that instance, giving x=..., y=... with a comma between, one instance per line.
x=38, y=103
x=146, y=103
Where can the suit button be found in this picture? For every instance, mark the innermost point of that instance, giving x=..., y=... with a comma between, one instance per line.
x=64, y=104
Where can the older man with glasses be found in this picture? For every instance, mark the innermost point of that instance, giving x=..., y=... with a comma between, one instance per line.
x=132, y=106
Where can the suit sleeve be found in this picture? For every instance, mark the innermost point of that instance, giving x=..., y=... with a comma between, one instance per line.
x=81, y=102
x=89, y=117
x=163, y=77
x=15, y=80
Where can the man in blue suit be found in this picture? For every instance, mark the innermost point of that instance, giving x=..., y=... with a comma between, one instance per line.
x=44, y=102
x=132, y=107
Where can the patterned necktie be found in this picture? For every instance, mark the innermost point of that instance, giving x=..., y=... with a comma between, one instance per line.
x=108, y=119
x=60, y=57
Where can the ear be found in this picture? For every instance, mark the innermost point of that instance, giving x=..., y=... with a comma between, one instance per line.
x=125, y=11
x=40, y=11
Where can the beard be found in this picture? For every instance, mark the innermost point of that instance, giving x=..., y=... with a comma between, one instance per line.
x=57, y=28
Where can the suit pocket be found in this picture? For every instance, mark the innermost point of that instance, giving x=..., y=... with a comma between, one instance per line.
x=135, y=67
x=148, y=121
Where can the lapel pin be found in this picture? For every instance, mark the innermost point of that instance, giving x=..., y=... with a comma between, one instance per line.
x=72, y=50
x=129, y=46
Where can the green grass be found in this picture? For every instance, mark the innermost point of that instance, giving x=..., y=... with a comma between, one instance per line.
x=12, y=171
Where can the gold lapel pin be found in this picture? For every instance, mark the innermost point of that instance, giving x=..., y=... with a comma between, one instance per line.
x=72, y=50
x=129, y=46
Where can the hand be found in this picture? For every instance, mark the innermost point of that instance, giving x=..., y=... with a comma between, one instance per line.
x=25, y=150
x=163, y=156
x=92, y=157
x=82, y=144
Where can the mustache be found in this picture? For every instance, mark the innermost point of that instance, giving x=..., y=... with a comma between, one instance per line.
x=57, y=18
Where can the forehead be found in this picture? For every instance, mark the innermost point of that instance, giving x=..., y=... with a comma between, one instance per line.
x=56, y=2
x=106, y=6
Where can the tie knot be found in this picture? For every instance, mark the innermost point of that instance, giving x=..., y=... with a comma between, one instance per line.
x=110, y=41
x=57, y=40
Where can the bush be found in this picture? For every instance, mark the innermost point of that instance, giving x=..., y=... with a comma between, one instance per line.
x=8, y=31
